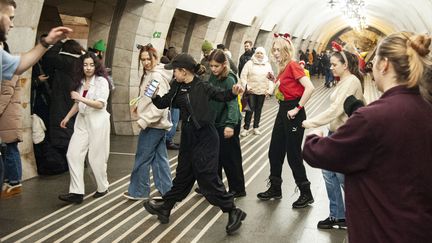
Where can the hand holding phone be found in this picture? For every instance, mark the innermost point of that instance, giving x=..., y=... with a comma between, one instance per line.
x=151, y=89
x=270, y=76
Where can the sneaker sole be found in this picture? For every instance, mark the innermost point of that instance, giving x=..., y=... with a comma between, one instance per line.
x=135, y=198
x=335, y=226
x=71, y=201
x=9, y=195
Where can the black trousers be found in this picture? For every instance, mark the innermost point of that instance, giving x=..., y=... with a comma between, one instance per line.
x=198, y=160
x=287, y=136
x=230, y=159
x=256, y=103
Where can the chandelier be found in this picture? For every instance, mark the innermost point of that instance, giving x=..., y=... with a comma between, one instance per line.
x=353, y=11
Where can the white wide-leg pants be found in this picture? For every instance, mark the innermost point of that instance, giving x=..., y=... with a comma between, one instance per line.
x=92, y=135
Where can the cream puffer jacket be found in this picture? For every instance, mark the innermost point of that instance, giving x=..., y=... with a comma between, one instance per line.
x=254, y=75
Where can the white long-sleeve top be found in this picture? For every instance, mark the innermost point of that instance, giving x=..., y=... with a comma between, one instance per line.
x=335, y=114
x=148, y=114
x=254, y=74
x=98, y=90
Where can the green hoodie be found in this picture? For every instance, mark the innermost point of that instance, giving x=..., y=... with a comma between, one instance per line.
x=227, y=114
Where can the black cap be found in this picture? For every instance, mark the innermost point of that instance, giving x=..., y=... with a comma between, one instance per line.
x=182, y=60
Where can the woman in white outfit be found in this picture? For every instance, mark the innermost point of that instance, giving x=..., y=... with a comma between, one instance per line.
x=254, y=75
x=92, y=129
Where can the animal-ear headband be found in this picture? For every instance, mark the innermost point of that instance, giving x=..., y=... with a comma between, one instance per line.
x=286, y=35
x=338, y=48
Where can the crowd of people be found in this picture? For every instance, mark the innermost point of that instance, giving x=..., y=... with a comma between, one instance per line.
x=378, y=155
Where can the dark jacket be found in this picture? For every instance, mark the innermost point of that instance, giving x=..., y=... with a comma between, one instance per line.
x=232, y=66
x=385, y=152
x=193, y=99
x=227, y=113
x=244, y=58
x=64, y=66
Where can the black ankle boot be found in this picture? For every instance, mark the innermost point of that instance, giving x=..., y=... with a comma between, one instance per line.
x=72, y=198
x=162, y=210
x=235, y=218
x=305, y=198
x=274, y=191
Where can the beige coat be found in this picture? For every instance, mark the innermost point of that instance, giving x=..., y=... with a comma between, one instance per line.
x=254, y=75
x=11, y=111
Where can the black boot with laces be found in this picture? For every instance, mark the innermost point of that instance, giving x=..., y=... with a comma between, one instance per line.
x=305, y=198
x=274, y=191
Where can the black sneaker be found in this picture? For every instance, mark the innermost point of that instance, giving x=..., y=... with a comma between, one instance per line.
x=330, y=222
x=100, y=194
x=72, y=198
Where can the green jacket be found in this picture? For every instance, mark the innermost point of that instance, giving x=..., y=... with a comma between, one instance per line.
x=227, y=114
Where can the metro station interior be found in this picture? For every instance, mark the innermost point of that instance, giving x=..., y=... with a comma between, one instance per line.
x=36, y=214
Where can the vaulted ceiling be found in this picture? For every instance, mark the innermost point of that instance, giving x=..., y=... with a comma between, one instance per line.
x=316, y=20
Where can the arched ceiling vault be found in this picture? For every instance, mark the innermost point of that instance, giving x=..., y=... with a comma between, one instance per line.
x=316, y=21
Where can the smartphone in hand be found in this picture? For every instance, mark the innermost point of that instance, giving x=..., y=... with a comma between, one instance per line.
x=270, y=76
x=151, y=88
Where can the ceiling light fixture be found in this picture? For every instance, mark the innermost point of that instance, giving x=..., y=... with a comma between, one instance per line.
x=353, y=11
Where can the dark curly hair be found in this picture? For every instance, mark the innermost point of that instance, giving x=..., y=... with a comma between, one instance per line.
x=100, y=70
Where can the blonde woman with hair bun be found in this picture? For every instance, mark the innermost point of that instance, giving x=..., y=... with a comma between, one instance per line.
x=385, y=149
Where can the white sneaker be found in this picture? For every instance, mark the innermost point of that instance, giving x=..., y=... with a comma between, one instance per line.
x=244, y=133
x=126, y=195
x=256, y=131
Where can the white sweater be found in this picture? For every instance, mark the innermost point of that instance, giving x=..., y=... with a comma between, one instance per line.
x=148, y=114
x=335, y=114
x=254, y=74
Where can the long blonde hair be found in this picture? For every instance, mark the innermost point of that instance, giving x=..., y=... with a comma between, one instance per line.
x=286, y=49
x=409, y=55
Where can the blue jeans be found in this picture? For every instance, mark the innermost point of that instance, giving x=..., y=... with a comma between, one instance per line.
x=175, y=116
x=151, y=151
x=334, y=183
x=12, y=164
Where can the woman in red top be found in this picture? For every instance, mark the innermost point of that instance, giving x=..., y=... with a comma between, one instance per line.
x=294, y=90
